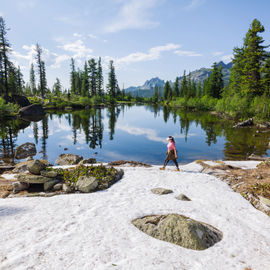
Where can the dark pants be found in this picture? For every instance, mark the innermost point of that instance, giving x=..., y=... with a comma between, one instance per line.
x=169, y=157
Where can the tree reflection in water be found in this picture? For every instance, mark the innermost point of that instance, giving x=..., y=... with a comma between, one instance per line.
x=238, y=143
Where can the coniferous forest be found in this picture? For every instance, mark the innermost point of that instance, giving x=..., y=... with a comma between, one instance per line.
x=247, y=94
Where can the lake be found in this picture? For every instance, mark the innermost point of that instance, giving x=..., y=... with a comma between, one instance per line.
x=135, y=132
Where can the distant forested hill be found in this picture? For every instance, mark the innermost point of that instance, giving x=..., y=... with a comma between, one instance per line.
x=147, y=89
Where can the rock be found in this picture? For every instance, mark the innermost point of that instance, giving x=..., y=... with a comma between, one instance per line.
x=32, y=179
x=35, y=167
x=25, y=150
x=264, y=201
x=179, y=230
x=4, y=168
x=88, y=161
x=58, y=187
x=22, y=101
x=246, y=123
x=19, y=186
x=29, y=159
x=5, y=194
x=21, y=167
x=49, y=184
x=34, y=109
x=161, y=191
x=68, y=159
x=128, y=163
x=183, y=197
x=212, y=171
x=67, y=188
x=50, y=174
x=65, y=149
x=86, y=184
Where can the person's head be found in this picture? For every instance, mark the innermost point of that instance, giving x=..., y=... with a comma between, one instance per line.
x=171, y=139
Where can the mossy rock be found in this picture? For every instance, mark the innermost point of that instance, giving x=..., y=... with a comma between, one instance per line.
x=179, y=230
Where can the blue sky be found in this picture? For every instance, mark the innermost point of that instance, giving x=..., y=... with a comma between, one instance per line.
x=145, y=38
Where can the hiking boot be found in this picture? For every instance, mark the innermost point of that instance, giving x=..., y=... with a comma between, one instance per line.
x=162, y=168
x=177, y=170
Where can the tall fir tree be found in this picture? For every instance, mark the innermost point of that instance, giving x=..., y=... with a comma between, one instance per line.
x=4, y=58
x=176, y=90
x=167, y=91
x=99, y=78
x=183, y=89
x=72, y=76
x=266, y=76
x=33, y=80
x=57, y=87
x=41, y=69
x=85, y=81
x=112, y=81
x=92, y=71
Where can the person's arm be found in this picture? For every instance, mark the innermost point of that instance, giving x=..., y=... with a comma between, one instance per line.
x=175, y=153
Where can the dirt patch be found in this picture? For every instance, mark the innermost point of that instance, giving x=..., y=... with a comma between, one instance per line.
x=252, y=184
x=129, y=163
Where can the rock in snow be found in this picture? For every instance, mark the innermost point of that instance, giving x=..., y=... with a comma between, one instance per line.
x=68, y=159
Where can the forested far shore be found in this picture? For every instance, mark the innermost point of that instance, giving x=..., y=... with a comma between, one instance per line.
x=247, y=94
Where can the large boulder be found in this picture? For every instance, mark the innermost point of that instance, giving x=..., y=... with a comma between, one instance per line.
x=86, y=184
x=50, y=184
x=68, y=159
x=32, y=179
x=19, y=186
x=36, y=166
x=34, y=109
x=50, y=174
x=22, y=101
x=179, y=230
x=25, y=150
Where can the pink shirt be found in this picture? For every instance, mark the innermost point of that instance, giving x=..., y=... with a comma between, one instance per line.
x=171, y=146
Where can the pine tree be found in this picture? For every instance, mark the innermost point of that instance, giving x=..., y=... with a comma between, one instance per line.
x=112, y=81
x=99, y=78
x=167, y=91
x=266, y=76
x=85, y=81
x=41, y=70
x=92, y=71
x=33, y=80
x=193, y=89
x=78, y=82
x=72, y=76
x=254, y=55
x=20, y=81
x=176, y=90
x=189, y=89
x=183, y=91
x=57, y=87
x=4, y=51
x=199, y=89
x=44, y=79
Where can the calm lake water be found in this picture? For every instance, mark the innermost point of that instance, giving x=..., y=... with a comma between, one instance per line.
x=132, y=133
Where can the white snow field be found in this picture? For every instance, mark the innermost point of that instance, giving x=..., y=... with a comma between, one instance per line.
x=94, y=231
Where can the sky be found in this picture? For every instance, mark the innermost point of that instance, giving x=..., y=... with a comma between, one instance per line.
x=144, y=38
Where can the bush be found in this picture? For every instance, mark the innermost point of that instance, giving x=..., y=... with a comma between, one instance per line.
x=8, y=109
x=101, y=173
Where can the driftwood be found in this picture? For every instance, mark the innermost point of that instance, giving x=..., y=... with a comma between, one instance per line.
x=254, y=157
x=246, y=123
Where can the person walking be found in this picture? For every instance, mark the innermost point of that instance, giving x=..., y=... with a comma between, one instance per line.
x=171, y=153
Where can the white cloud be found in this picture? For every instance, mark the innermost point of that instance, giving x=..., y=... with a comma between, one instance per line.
x=78, y=49
x=77, y=35
x=187, y=53
x=227, y=58
x=134, y=14
x=217, y=53
x=194, y=4
x=152, y=54
x=150, y=133
x=59, y=59
x=92, y=36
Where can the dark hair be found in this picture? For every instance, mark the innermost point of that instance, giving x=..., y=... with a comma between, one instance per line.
x=171, y=138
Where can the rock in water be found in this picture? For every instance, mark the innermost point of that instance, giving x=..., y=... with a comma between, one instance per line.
x=179, y=230
x=25, y=150
x=35, y=167
x=86, y=184
x=68, y=159
x=34, y=109
x=161, y=191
